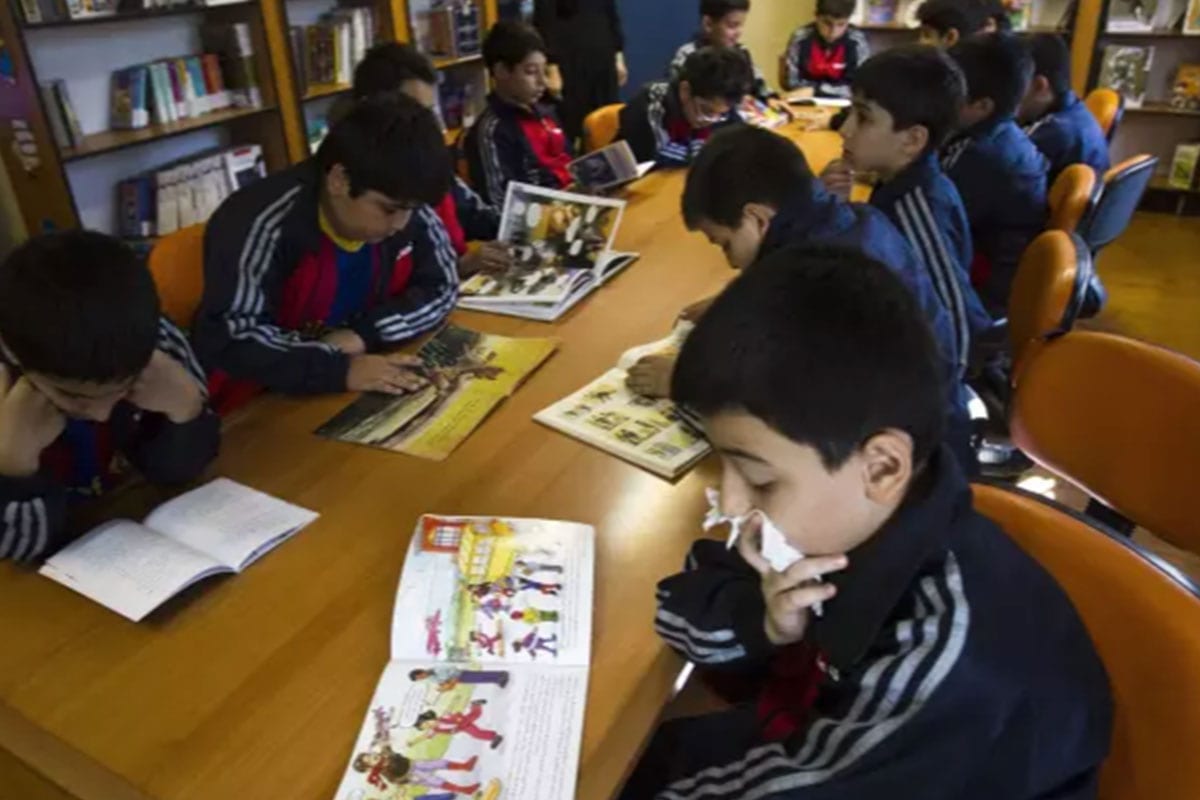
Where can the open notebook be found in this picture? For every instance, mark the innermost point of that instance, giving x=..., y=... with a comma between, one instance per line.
x=132, y=568
x=654, y=434
x=562, y=249
x=485, y=692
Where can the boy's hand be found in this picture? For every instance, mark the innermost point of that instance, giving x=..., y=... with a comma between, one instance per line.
x=779, y=106
x=790, y=594
x=166, y=387
x=490, y=257
x=622, y=70
x=838, y=178
x=391, y=374
x=696, y=310
x=346, y=340
x=29, y=423
x=651, y=376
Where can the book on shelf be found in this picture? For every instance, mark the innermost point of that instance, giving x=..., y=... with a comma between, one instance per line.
x=1185, y=91
x=64, y=124
x=486, y=685
x=298, y=45
x=562, y=251
x=608, y=167
x=130, y=100
x=1143, y=16
x=467, y=374
x=134, y=567
x=1191, y=20
x=881, y=12
x=327, y=52
x=233, y=46
x=653, y=434
x=62, y=96
x=1183, y=166
x=1126, y=70
x=167, y=91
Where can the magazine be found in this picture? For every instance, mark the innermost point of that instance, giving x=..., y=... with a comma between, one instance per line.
x=1185, y=91
x=1132, y=16
x=468, y=374
x=757, y=113
x=1126, y=69
x=562, y=249
x=654, y=434
x=485, y=692
x=1183, y=166
x=1191, y=21
x=608, y=167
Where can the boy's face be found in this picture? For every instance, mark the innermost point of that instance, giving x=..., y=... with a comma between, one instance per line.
x=726, y=31
x=830, y=29
x=819, y=512
x=702, y=112
x=524, y=83
x=742, y=243
x=932, y=37
x=82, y=399
x=871, y=144
x=369, y=217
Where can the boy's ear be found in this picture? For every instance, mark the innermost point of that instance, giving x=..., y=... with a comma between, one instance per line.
x=887, y=466
x=761, y=215
x=914, y=139
x=707, y=24
x=337, y=181
x=950, y=38
x=1040, y=85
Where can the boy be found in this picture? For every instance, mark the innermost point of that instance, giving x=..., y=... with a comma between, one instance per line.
x=668, y=123
x=999, y=173
x=906, y=103
x=91, y=377
x=943, y=653
x=1054, y=117
x=721, y=26
x=393, y=67
x=516, y=138
x=826, y=53
x=945, y=23
x=304, y=271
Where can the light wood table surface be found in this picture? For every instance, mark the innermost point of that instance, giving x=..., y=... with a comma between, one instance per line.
x=253, y=687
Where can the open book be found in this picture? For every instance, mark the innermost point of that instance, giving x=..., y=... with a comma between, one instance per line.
x=654, y=434
x=608, y=167
x=562, y=249
x=134, y=568
x=485, y=692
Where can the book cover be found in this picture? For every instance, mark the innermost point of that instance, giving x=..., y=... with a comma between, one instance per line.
x=1185, y=91
x=606, y=168
x=1126, y=69
x=467, y=375
x=178, y=94
x=1183, y=166
x=1191, y=21
x=882, y=12
x=121, y=111
x=31, y=11
x=54, y=115
x=1132, y=15
x=299, y=49
x=199, y=85
x=244, y=165
x=137, y=209
x=165, y=109
x=214, y=85
x=68, y=112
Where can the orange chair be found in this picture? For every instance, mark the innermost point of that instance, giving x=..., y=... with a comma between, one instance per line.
x=177, y=264
x=601, y=127
x=1144, y=619
x=1118, y=418
x=1047, y=292
x=1072, y=195
x=1107, y=107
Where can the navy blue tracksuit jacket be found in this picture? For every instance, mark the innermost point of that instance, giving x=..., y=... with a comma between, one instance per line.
x=1069, y=134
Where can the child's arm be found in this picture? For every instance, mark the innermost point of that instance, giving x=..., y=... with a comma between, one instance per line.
x=430, y=294
x=480, y=220
x=500, y=159
x=797, y=78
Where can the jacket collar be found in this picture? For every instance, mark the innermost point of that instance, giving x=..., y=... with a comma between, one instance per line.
x=805, y=213
x=308, y=206
x=883, y=569
x=920, y=172
x=504, y=108
x=1066, y=101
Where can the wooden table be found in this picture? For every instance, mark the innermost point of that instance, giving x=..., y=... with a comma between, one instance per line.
x=253, y=687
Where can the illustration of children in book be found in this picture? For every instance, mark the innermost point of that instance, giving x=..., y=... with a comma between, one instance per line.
x=607, y=420
x=431, y=724
x=492, y=645
x=532, y=616
x=533, y=644
x=447, y=678
x=493, y=607
x=528, y=567
x=385, y=768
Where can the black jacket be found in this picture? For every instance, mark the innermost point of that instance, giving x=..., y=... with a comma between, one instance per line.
x=579, y=28
x=654, y=125
x=499, y=152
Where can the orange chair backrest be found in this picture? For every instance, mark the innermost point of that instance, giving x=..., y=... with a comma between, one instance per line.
x=1119, y=418
x=1073, y=192
x=177, y=264
x=600, y=128
x=1046, y=291
x=1105, y=105
x=1144, y=620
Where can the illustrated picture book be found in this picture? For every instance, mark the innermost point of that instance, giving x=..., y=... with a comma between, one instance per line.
x=132, y=568
x=467, y=374
x=1132, y=15
x=562, y=249
x=1185, y=91
x=608, y=167
x=485, y=692
x=1183, y=166
x=654, y=434
x=1191, y=21
x=1126, y=70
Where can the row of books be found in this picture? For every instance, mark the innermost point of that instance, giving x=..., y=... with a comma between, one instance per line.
x=1022, y=15
x=328, y=52
x=451, y=29
x=185, y=192
x=1126, y=69
x=40, y=11
x=1141, y=16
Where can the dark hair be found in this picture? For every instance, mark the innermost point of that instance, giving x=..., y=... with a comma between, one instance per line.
x=390, y=64
x=741, y=165
x=723, y=72
x=838, y=9
x=995, y=10
x=824, y=345
x=965, y=16
x=78, y=305
x=997, y=66
x=392, y=145
x=1052, y=60
x=717, y=9
x=917, y=86
x=510, y=42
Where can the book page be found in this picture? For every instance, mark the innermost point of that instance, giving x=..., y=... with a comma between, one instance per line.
x=232, y=523
x=496, y=591
x=128, y=568
x=470, y=731
x=613, y=262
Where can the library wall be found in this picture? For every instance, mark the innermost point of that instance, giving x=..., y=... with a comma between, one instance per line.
x=770, y=26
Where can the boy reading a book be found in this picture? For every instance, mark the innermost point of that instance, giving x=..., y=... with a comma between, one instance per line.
x=516, y=138
x=721, y=25
x=306, y=278
x=91, y=377
x=826, y=53
x=1053, y=115
x=395, y=67
x=945, y=23
x=668, y=123
x=906, y=103
x=941, y=652
x=999, y=174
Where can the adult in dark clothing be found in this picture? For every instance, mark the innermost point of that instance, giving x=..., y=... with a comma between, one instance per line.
x=587, y=65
